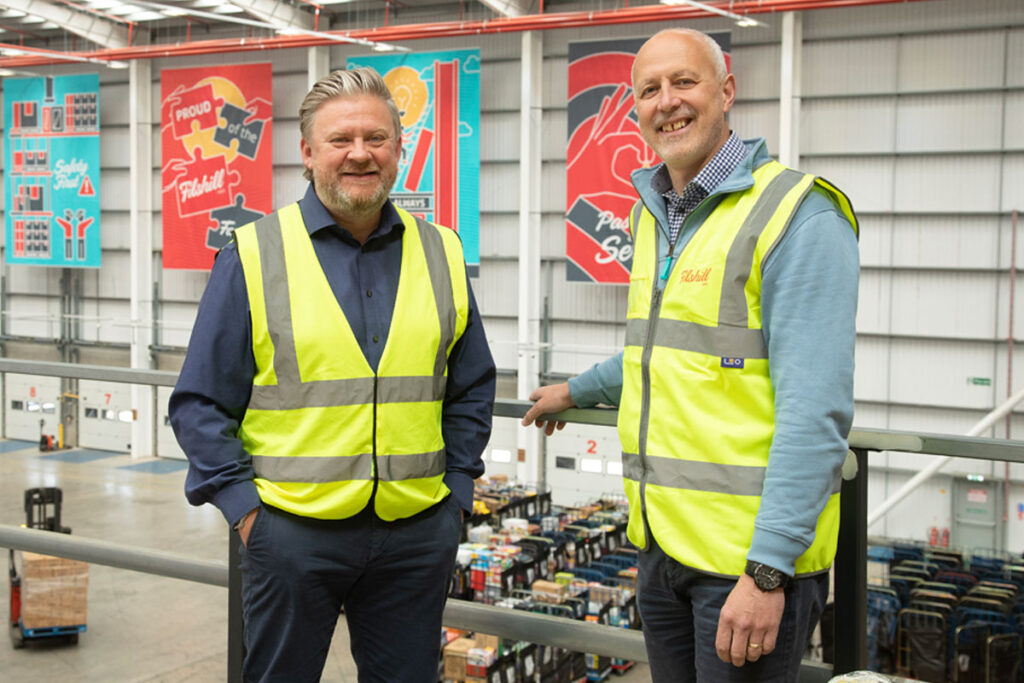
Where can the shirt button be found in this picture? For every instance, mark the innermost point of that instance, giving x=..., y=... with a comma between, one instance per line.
x=375, y=339
x=369, y=292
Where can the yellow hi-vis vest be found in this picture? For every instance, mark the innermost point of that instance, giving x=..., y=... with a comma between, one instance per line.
x=320, y=425
x=696, y=418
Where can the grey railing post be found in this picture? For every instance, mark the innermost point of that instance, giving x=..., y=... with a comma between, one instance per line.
x=851, y=574
x=236, y=649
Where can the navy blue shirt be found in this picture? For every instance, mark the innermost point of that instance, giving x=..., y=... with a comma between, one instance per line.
x=213, y=389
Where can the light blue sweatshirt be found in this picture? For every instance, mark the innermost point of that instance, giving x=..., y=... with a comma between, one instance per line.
x=809, y=306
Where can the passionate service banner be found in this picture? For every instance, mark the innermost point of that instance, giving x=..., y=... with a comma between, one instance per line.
x=438, y=95
x=605, y=147
x=52, y=157
x=217, y=168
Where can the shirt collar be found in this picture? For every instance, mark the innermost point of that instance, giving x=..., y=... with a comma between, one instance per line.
x=725, y=161
x=317, y=217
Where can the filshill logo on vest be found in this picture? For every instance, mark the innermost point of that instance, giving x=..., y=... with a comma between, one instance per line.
x=698, y=275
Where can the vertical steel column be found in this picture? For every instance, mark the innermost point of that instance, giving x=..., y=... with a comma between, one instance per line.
x=141, y=278
x=789, y=89
x=528, y=439
x=851, y=573
x=236, y=648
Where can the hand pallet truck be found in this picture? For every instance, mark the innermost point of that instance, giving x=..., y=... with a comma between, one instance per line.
x=42, y=511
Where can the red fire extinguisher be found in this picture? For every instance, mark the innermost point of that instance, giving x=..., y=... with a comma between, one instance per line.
x=933, y=536
x=945, y=537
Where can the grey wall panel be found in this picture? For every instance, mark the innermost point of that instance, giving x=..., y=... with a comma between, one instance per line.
x=289, y=89
x=912, y=517
x=1015, y=56
x=115, y=148
x=871, y=373
x=106, y=321
x=845, y=126
x=289, y=185
x=867, y=181
x=936, y=62
x=505, y=176
x=583, y=344
x=183, y=285
x=940, y=304
x=115, y=192
x=945, y=241
x=552, y=187
x=554, y=134
x=33, y=280
x=501, y=336
x=499, y=234
x=971, y=122
x=113, y=111
x=499, y=86
x=935, y=373
x=911, y=17
x=1013, y=184
x=585, y=301
x=870, y=416
x=175, y=324
x=286, y=150
x=114, y=278
x=757, y=120
x=115, y=230
x=555, y=85
x=1012, y=128
x=838, y=67
x=875, y=240
x=966, y=183
x=495, y=288
x=756, y=68
x=552, y=229
x=499, y=136
x=874, y=302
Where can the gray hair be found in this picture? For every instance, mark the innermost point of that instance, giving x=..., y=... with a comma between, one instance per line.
x=362, y=80
x=713, y=48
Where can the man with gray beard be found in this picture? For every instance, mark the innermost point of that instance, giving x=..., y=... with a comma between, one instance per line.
x=334, y=403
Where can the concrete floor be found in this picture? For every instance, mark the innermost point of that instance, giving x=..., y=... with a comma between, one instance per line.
x=141, y=628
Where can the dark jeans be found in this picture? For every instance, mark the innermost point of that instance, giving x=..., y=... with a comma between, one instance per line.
x=679, y=607
x=391, y=578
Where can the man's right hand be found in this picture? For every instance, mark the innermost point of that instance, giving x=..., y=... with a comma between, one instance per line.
x=553, y=398
x=245, y=526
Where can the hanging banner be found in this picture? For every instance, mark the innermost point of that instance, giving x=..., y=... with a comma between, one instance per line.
x=217, y=168
x=52, y=157
x=605, y=147
x=438, y=95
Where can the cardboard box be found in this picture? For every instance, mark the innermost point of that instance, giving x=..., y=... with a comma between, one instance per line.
x=455, y=658
x=53, y=591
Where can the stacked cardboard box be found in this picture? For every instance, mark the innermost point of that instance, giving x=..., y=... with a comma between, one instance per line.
x=53, y=591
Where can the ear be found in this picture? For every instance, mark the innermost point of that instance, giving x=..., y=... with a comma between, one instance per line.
x=729, y=92
x=307, y=153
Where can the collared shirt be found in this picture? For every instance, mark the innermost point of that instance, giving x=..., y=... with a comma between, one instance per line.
x=210, y=398
x=703, y=184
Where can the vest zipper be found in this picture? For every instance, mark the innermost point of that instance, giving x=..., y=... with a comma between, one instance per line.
x=373, y=446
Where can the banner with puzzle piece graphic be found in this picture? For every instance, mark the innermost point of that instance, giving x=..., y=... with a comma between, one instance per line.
x=217, y=165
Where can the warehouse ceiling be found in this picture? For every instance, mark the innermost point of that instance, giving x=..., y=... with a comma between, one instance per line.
x=109, y=32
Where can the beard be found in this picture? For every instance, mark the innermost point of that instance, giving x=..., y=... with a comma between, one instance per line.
x=341, y=202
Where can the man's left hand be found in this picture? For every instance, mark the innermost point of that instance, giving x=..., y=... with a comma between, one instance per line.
x=748, y=624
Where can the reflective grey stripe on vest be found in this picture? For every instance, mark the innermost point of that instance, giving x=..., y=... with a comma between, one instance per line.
x=732, y=307
x=730, y=342
x=638, y=210
x=731, y=338
x=441, y=281
x=349, y=468
x=290, y=392
x=739, y=480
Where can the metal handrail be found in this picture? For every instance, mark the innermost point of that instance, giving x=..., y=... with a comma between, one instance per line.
x=850, y=566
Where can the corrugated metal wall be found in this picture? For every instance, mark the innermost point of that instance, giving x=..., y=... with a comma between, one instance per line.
x=915, y=110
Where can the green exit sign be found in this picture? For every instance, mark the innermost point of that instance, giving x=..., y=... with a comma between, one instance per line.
x=980, y=381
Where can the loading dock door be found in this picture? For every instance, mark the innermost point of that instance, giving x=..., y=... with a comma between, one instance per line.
x=978, y=514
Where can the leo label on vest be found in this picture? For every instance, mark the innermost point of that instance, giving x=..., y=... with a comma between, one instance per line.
x=732, y=362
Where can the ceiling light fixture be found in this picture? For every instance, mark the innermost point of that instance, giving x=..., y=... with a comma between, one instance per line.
x=284, y=30
x=743, y=20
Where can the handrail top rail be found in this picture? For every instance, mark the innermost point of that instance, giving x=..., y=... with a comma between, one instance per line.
x=977, y=448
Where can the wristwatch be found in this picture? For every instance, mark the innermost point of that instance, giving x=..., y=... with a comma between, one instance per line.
x=766, y=578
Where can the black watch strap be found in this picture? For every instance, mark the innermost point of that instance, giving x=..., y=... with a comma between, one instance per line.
x=766, y=578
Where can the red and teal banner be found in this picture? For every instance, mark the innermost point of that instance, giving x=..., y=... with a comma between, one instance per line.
x=52, y=158
x=438, y=95
x=605, y=147
x=217, y=167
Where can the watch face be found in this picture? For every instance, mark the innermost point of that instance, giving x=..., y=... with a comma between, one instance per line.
x=767, y=578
